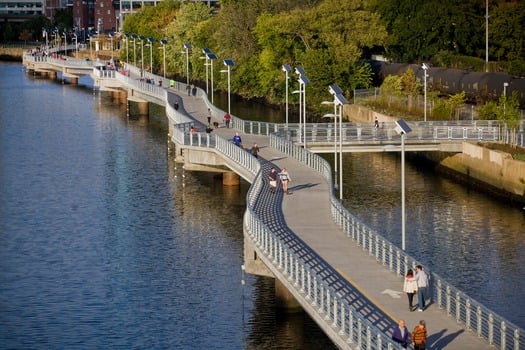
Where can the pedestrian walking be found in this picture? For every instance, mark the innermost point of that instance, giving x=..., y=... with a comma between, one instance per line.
x=188, y=89
x=237, y=140
x=176, y=105
x=227, y=118
x=285, y=178
x=209, y=116
x=255, y=150
x=419, y=336
x=410, y=287
x=421, y=278
x=400, y=334
x=272, y=178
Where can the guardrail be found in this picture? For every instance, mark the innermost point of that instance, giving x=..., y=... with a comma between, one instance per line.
x=472, y=314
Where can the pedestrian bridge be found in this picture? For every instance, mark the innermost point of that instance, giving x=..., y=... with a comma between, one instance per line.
x=343, y=274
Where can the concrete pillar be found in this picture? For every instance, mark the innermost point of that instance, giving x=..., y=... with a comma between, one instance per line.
x=230, y=179
x=143, y=107
x=52, y=75
x=285, y=300
x=74, y=80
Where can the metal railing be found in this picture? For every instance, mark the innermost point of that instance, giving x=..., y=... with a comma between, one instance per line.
x=465, y=310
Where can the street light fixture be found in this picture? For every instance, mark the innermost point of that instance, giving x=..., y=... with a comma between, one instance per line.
x=425, y=68
x=126, y=36
x=187, y=47
x=402, y=129
x=111, y=42
x=287, y=69
x=134, y=50
x=211, y=56
x=505, y=84
x=303, y=80
x=76, y=43
x=65, y=43
x=206, y=51
x=339, y=101
x=151, y=41
x=334, y=116
x=228, y=63
x=164, y=42
x=141, y=38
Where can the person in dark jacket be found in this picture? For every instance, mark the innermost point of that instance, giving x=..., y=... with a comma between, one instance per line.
x=400, y=334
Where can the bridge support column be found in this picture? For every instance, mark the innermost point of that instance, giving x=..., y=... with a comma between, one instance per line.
x=73, y=80
x=231, y=179
x=143, y=108
x=284, y=299
x=52, y=75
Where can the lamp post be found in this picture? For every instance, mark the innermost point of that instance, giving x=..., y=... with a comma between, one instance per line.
x=402, y=128
x=287, y=69
x=339, y=101
x=228, y=63
x=505, y=84
x=211, y=56
x=111, y=41
x=126, y=36
x=164, y=42
x=76, y=43
x=425, y=68
x=151, y=41
x=65, y=44
x=141, y=38
x=333, y=115
x=134, y=50
x=187, y=48
x=206, y=51
x=303, y=80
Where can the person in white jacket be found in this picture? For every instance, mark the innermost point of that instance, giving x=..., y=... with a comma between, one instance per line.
x=410, y=287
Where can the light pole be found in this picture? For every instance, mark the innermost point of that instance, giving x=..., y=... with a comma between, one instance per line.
x=76, y=43
x=65, y=43
x=164, y=42
x=486, y=35
x=127, y=40
x=151, y=41
x=402, y=128
x=303, y=80
x=141, y=38
x=228, y=63
x=111, y=42
x=206, y=51
x=505, y=84
x=187, y=48
x=425, y=68
x=333, y=115
x=211, y=57
x=134, y=50
x=287, y=69
x=339, y=101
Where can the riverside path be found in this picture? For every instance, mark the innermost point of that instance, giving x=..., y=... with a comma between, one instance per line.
x=345, y=276
x=307, y=214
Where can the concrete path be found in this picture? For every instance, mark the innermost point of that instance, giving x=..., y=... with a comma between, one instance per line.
x=306, y=213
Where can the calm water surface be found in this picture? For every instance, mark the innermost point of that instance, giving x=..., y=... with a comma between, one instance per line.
x=106, y=243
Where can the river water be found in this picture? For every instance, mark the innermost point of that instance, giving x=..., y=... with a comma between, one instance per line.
x=106, y=243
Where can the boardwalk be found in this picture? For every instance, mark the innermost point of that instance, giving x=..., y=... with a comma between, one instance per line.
x=348, y=276
x=307, y=213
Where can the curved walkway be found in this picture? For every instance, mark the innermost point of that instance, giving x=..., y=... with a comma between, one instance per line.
x=374, y=290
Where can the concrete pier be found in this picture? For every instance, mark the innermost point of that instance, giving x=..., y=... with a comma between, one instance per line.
x=231, y=179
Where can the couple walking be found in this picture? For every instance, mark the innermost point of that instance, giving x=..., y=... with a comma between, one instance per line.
x=417, y=284
x=283, y=176
x=418, y=337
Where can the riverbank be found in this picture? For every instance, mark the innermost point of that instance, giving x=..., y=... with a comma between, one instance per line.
x=487, y=167
x=11, y=54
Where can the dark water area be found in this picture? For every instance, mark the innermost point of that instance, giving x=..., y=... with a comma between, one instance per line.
x=105, y=242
